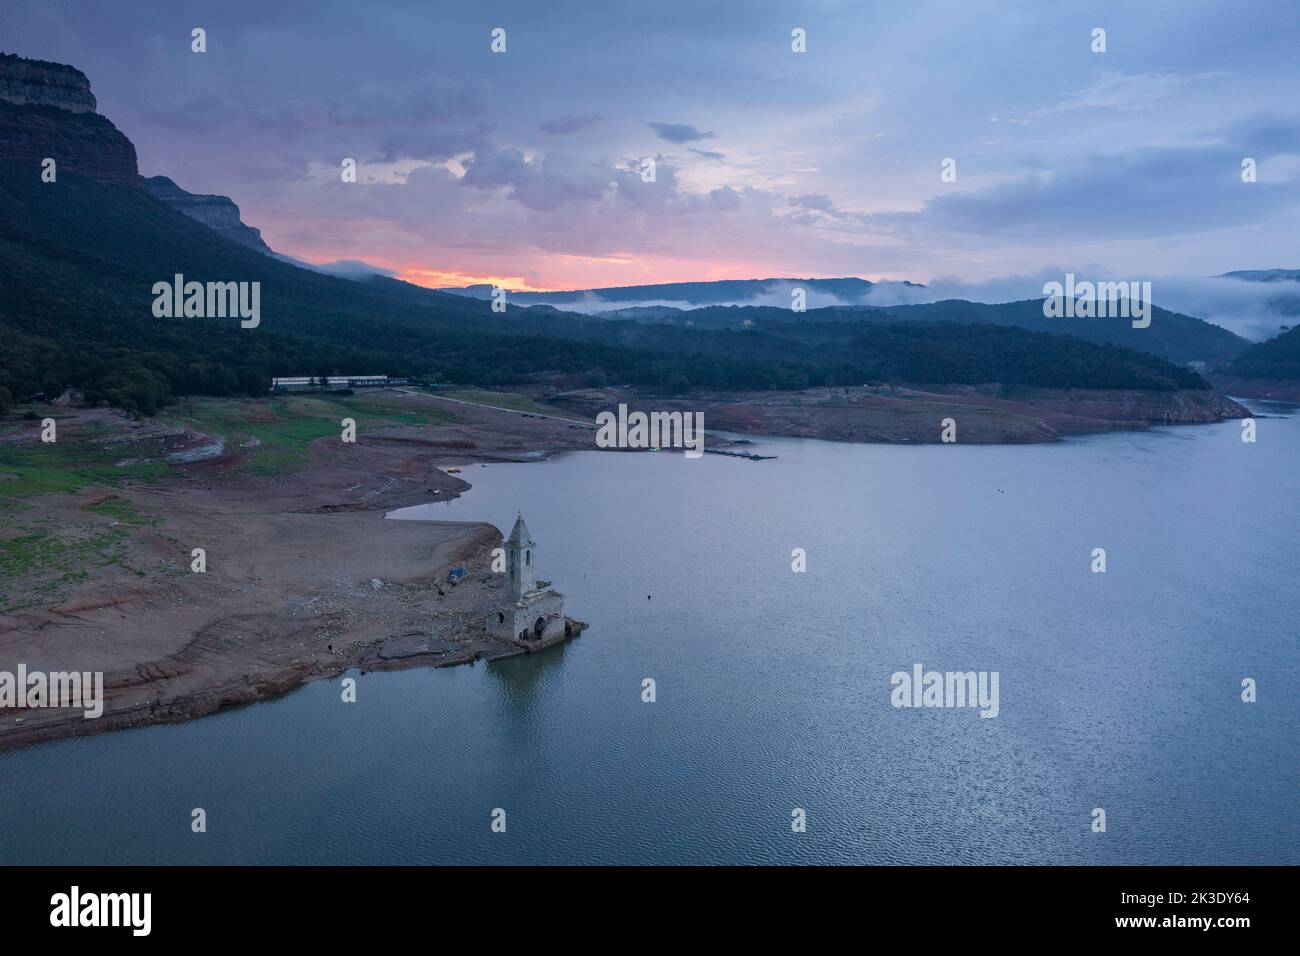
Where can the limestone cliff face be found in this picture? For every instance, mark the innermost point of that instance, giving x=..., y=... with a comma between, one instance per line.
x=48, y=111
x=41, y=83
x=218, y=213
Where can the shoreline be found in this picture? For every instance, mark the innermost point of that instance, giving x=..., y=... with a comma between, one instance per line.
x=985, y=415
x=306, y=579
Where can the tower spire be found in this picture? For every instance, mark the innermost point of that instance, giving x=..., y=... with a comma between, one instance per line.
x=521, y=560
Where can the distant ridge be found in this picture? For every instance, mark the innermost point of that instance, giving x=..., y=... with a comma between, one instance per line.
x=849, y=290
x=735, y=303
x=1264, y=275
x=218, y=213
x=80, y=259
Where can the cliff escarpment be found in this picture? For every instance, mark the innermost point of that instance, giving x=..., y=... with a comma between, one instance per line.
x=218, y=213
x=41, y=83
x=48, y=112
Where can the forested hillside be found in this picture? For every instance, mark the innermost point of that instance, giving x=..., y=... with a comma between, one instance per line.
x=78, y=261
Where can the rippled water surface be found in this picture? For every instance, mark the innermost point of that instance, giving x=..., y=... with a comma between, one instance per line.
x=1117, y=690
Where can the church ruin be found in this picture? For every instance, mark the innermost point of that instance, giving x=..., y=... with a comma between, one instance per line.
x=532, y=614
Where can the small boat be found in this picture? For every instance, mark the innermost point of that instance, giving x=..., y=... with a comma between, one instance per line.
x=453, y=471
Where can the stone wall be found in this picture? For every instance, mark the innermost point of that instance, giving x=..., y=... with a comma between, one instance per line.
x=515, y=622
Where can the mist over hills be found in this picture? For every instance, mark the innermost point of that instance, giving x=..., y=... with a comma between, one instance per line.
x=1177, y=338
x=80, y=257
x=691, y=294
x=1265, y=275
x=1172, y=336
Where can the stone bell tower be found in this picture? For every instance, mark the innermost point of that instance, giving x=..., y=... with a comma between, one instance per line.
x=532, y=613
x=521, y=561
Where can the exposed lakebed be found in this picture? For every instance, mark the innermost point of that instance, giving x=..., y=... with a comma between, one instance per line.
x=1117, y=690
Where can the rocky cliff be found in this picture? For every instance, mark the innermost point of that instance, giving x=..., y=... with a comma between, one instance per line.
x=218, y=213
x=41, y=83
x=48, y=111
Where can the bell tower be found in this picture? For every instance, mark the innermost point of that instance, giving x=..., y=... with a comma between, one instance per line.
x=521, y=561
x=531, y=613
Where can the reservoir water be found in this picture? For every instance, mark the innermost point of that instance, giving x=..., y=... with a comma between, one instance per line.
x=1119, y=691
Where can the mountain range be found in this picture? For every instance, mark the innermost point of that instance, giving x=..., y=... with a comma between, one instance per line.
x=80, y=256
x=694, y=294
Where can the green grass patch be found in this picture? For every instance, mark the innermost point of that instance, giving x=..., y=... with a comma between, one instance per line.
x=280, y=430
x=70, y=465
x=274, y=433
x=45, y=562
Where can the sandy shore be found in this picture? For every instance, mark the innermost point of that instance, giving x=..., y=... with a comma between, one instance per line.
x=985, y=415
x=305, y=578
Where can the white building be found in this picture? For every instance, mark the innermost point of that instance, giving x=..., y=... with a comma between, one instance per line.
x=295, y=382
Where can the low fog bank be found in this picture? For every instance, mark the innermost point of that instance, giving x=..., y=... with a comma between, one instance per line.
x=1253, y=310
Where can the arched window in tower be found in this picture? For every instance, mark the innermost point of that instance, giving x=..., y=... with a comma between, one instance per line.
x=528, y=558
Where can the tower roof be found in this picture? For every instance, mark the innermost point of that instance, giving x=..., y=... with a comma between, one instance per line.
x=519, y=537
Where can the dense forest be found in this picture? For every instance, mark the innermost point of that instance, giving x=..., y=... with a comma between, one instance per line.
x=1172, y=336
x=1276, y=358
x=78, y=261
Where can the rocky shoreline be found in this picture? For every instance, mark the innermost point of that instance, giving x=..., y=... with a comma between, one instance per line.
x=305, y=577
x=307, y=580
x=984, y=414
x=392, y=654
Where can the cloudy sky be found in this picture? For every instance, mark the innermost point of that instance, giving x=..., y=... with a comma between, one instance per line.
x=524, y=167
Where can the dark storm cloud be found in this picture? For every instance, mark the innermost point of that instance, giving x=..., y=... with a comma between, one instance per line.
x=1143, y=193
x=1269, y=135
x=542, y=184
x=433, y=119
x=564, y=125
x=679, y=132
x=830, y=167
x=431, y=99
x=431, y=143
x=725, y=198
x=817, y=201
